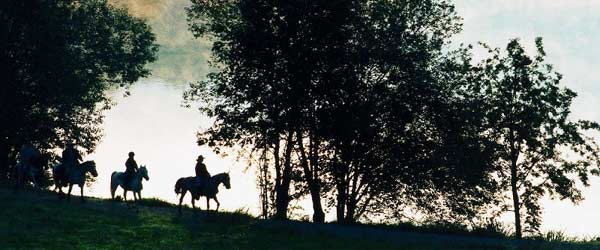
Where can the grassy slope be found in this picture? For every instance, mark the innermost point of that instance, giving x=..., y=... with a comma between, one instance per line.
x=39, y=221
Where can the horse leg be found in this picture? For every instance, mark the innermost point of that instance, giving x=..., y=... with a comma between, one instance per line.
x=140, y=195
x=81, y=198
x=218, y=204
x=113, y=189
x=70, y=188
x=194, y=204
x=60, y=193
x=181, y=200
x=124, y=194
x=207, y=204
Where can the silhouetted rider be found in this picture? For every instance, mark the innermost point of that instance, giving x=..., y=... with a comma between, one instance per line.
x=70, y=156
x=70, y=159
x=202, y=174
x=131, y=168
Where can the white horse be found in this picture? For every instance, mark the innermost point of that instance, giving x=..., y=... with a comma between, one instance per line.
x=135, y=185
x=71, y=176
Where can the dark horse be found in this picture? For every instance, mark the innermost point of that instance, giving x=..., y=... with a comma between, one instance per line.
x=185, y=184
x=33, y=172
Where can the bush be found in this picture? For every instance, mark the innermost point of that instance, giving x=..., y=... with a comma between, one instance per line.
x=491, y=228
x=555, y=236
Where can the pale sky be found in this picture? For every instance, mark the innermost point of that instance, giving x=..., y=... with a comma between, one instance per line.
x=152, y=123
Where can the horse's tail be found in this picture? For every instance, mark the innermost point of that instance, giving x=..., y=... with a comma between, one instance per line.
x=112, y=179
x=179, y=186
x=113, y=185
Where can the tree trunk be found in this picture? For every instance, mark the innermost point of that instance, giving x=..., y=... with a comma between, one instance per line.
x=515, y=193
x=312, y=180
x=282, y=197
x=263, y=179
x=341, y=202
x=350, y=211
x=342, y=195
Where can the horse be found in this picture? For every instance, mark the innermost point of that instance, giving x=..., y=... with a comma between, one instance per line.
x=27, y=173
x=75, y=175
x=135, y=185
x=185, y=184
x=32, y=172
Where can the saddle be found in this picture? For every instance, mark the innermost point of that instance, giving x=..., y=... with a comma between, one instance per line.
x=126, y=181
x=199, y=185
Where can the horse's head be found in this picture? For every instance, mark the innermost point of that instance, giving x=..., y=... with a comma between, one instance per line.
x=90, y=166
x=226, y=180
x=144, y=172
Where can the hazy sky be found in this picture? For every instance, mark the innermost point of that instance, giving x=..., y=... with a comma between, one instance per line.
x=152, y=123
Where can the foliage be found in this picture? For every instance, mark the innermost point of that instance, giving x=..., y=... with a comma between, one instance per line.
x=542, y=152
x=58, y=59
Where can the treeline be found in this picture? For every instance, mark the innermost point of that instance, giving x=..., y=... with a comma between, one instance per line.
x=364, y=107
x=58, y=59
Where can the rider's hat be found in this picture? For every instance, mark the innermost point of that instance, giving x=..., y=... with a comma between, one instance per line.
x=131, y=154
x=200, y=157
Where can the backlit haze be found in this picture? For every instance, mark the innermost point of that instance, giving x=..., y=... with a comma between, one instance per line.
x=152, y=123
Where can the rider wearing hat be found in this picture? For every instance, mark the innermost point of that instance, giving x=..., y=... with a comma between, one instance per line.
x=202, y=175
x=131, y=168
x=70, y=156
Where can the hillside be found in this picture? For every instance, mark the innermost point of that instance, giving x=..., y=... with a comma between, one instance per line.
x=38, y=220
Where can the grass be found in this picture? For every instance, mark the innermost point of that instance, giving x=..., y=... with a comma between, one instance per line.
x=38, y=220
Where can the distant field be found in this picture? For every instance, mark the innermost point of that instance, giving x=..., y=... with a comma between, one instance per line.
x=31, y=220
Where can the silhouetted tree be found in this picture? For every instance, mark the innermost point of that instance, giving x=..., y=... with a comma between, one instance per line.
x=246, y=94
x=527, y=112
x=58, y=59
x=462, y=157
x=345, y=90
x=384, y=113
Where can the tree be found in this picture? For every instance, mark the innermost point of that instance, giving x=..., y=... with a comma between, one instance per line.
x=384, y=110
x=345, y=91
x=244, y=94
x=527, y=112
x=58, y=59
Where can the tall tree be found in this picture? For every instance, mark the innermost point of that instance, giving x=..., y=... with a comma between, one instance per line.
x=382, y=97
x=248, y=94
x=527, y=111
x=58, y=59
x=346, y=91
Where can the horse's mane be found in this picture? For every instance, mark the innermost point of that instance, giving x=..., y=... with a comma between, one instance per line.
x=220, y=174
x=88, y=162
